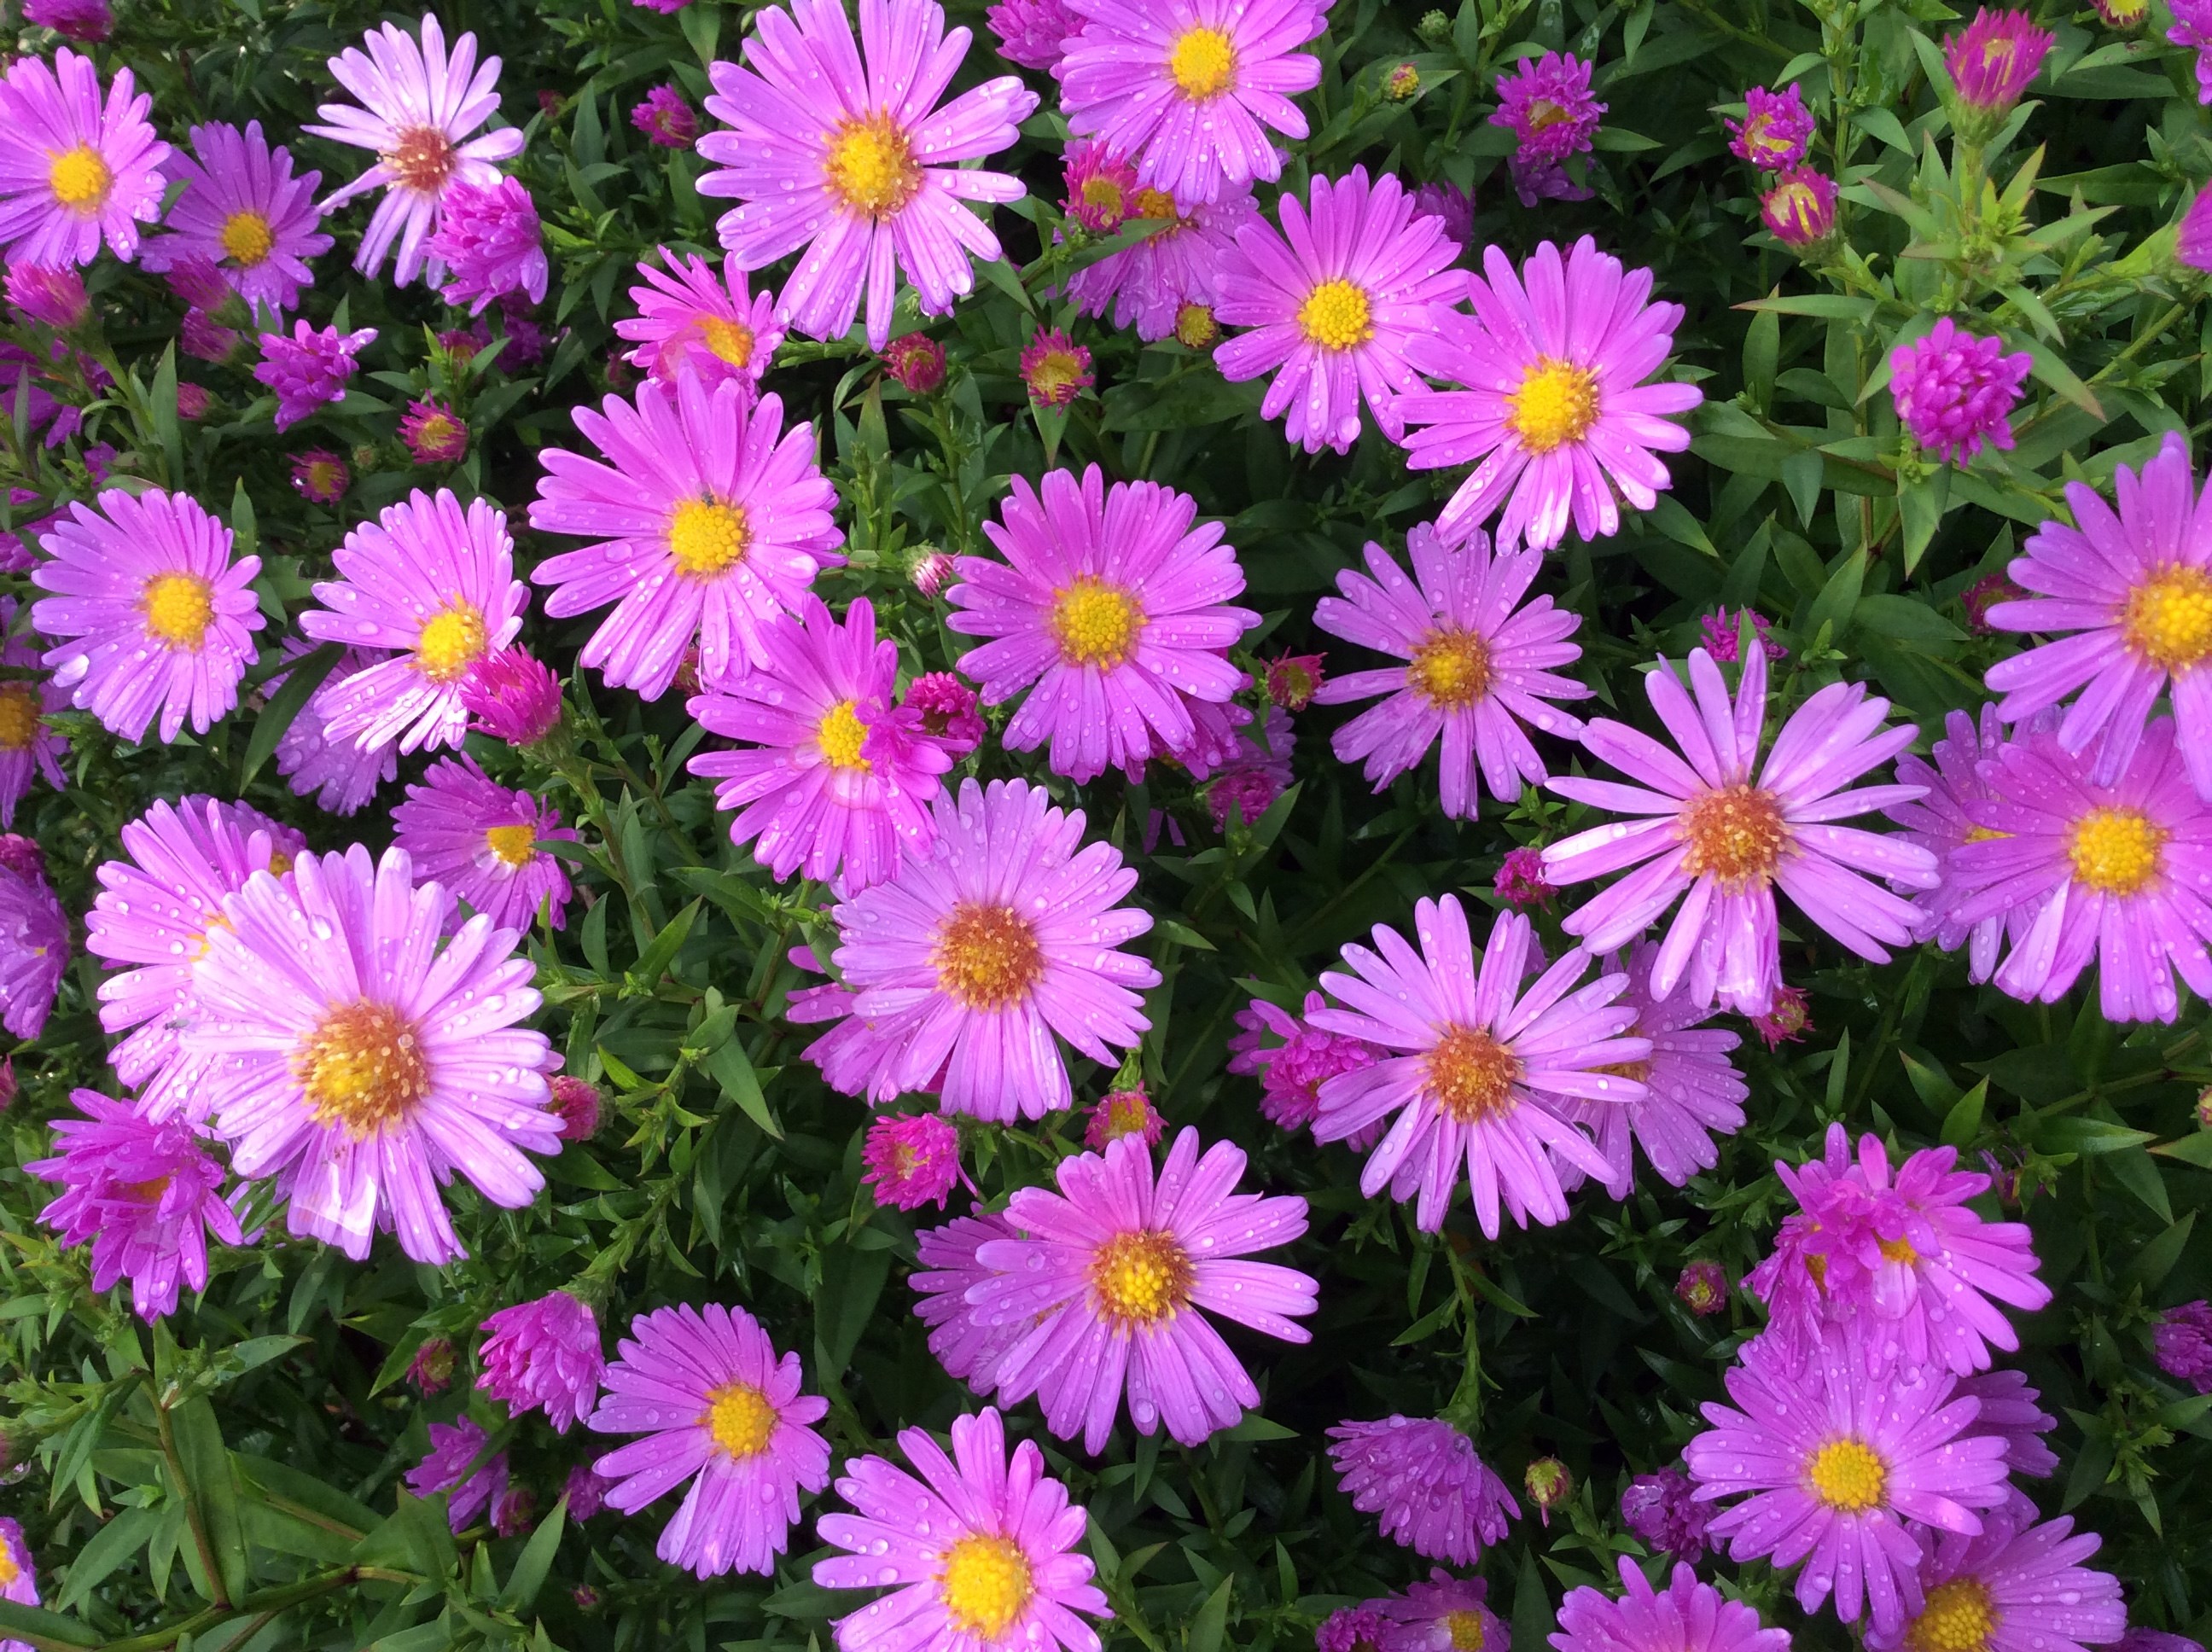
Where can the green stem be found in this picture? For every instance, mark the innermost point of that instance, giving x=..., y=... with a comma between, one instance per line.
x=193, y=1518
x=267, y=1603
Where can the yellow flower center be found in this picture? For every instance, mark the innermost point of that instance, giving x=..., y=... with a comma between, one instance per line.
x=1195, y=326
x=363, y=1068
x=323, y=476
x=730, y=341
x=2117, y=850
x=1556, y=404
x=1465, y=1629
x=421, y=158
x=1335, y=315
x=870, y=167
x=1761, y=140
x=1471, y=1076
x=841, y=735
x=1056, y=375
x=1983, y=835
x=80, y=178
x=1735, y=835
x=516, y=845
x=279, y=864
x=20, y=716
x=1141, y=1278
x=1544, y=114
x=1899, y=1250
x=988, y=957
x=2168, y=618
x=1095, y=623
x=986, y=1585
x=1797, y=204
x=1958, y=1618
x=10, y=1572
x=146, y=1192
x=1155, y=203
x=706, y=537
x=1847, y=1476
x=1103, y=194
x=438, y=433
x=1634, y=1072
x=740, y=1419
x=178, y=609
x=1203, y=63
x=246, y=237
x=451, y=640
x=1450, y=670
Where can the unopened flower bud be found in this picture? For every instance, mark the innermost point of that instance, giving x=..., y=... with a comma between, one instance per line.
x=1548, y=1484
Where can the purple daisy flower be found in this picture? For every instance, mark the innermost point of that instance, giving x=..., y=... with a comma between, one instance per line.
x=835, y=781
x=18, y=1580
x=419, y=104
x=455, y=1447
x=835, y=148
x=966, y=1343
x=1550, y=396
x=34, y=952
x=433, y=584
x=2182, y=1344
x=1189, y=89
x=1954, y=391
x=1150, y=284
x=1686, y=1616
x=721, y=1411
x=30, y=746
x=1481, y=1073
x=480, y=839
x=1545, y=103
x=1102, y=187
x=48, y=298
x=1332, y=301
x=1938, y=822
x=1033, y=32
x=689, y=318
x=1480, y=664
x=1662, y=1509
x=913, y=1159
x=1776, y=129
x=668, y=121
x=1111, y=605
x=244, y=212
x=1445, y=1614
x=162, y=618
x=1421, y=1477
x=75, y=20
x=341, y=775
x=144, y=1193
x=1112, y=1279
x=1993, y=59
x=544, y=1352
x=711, y=521
x=435, y=433
x=1292, y=1072
x=310, y=370
x=982, y=1549
x=490, y=243
x=76, y=169
x=364, y=1062
x=2018, y=1587
x=1725, y=841
x=1837, y=1459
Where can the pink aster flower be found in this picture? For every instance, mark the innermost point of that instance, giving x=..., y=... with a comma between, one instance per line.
x=1189, y=89
x=666, y=119
x=364, y=1062
x=711, y=520
x=1033, y=32
x=691, y=319
x=1837, y=1459
x=1124, y=1113
x=511, y=696
x=1702, y=1289
x=968, y=1346
x=721, y=1411
x=490, y=243
x=76, y=168
x=1661, y=1510
x=1113, y=1277
x=577, y=1101
x=1255, y=773
x=913, y=1159
x=456, y=1465
x=946, y=707
x=435, y=585
x=983, y=1549
x=1954, y=391
x=1722, y=634
x=917, y=362
x=544, y=1352
x=1333, y=302
x=1775, y=130
x=1550, y=397
x=245, y=213
x=1724, y=841
x=1799, y=211
x=75, y=20
x=1992, y=60
x=1520, y=881
x=435, y=433
x=19, y=1579
x=2018, y=1587
x=1150, y=284
x=963, y=965
x=144, y=1193
x=835, y=148
x=1479, y=667
x=830, y=778
x=320, y=475
x=1787, y=1022
x=30, y=745
x=1291, y=1073
x=309, y=370
x=338, y=772
x=2193, y=239
x=1055, y=369
x=161, y=617
x=1480, y=1072
x=1545, y=103
x=1350, y=1629
x=1445, y=1614
x=480, y=840
x=48, y=297
x=2192, y=32
x=419, y=104
x=1686, y=1616
x=1109, y=608
x=34, y=952
x=1102, y=187
x=1421, y=1477
x=1293, y=680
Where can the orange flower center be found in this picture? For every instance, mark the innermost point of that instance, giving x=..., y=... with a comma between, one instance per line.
x=988, y=957
x=363, y=1069
x=1471, y=1076
x=421, y=158
x=1735, y=835
x=1142, y=1277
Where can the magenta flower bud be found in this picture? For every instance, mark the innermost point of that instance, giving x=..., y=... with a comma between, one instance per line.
x=1661, y=1508
x=2183, y=1344
x=1102, y=187
x=192, y=400
x=1520, y=881
x=666, y=119
x=1787, y=1021
x=1294, y=679
x=587, y=1491
x=434, y=435
x=515, y=698
x=2123, y=14
x=205, y=339
x=1991, y=61
x=1721, y=628
x=1056, y=368
x=932, y=571
x=87, y=21
x=491, y=244
x=1031, y=33
x=1984, y=594
x=513, y=1509
x=51, y=297
x=431, y=1370
x=1545, y=103
x=916, y=361
x=1799, y=211
x=913, y=1159
x=577, y=1101
x=1953, y=391
x=1548, y=1482
x=196, y=280
x=1123, y=1113
x=1704, y=1289
x=2203, y=1107
x=320, y=475
x=948, y=710
x=1455, y=205
x=543, y=1353
x=23, y=856
x=1775, y=130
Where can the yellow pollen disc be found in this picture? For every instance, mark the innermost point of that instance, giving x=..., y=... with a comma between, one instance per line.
x=10, y=1572
x=1544, y=114
x=870, y=167
x=19, y=715
x=1899, y=1250
x=707, y=537
x=988, y=957
x=421, y=159
x=1095, y=623
x=1195, y=326
x=1735, y=835
x=1636, y=1071
x=840, y=734
x=1057, y=375
x=2117, y=850
x=1335, y=315
x=1983, y=835
x=178, y=609
x=2168, y=618
x=80, y=178
x=1155, y=203
x=740, y=1419
x=1142, y=1279
x=247, y=238
x=213, y=923
x=1798, y=206
x=363, y=1068
x=1466, y=1630
x=1203, y=63
x=279, y=864
x=1556, y=404
x=1847, y=1476
x=985, y=1586
x=1103, y=193
x=1471, y=1076
x=451, y=641
x=516, y=845
x=1958, y=1618
x=1450, y=670
x=730, y=341
x=146, y=1192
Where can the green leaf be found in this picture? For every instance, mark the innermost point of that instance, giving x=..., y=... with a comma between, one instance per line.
x=2155, y=1260
x=535, y=1562
x=1964, y=1120
x=300, y=682
x=734, y=1070
x=1207, y=1626
x=211, y=1484
x=1762, y=347
x=654, y=962
x=111, y=1545
x=47, y=1631
x=1838, y=600
x=2195, y=1149
x=851, y=1282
